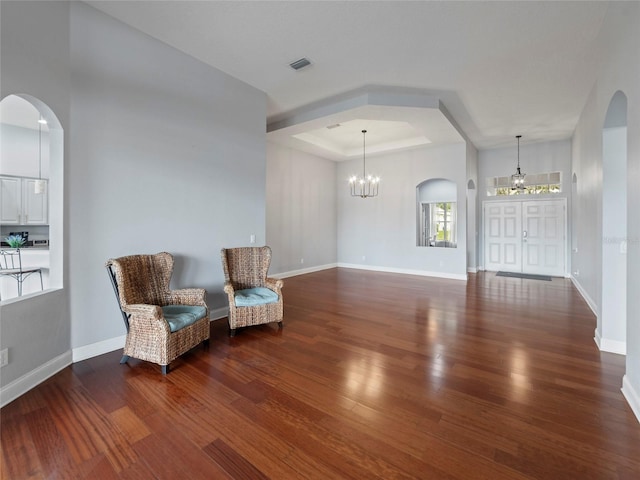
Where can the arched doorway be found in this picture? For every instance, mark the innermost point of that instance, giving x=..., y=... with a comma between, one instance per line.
x=611, y=331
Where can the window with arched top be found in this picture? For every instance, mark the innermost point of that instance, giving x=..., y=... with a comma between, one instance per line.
x=436, y=213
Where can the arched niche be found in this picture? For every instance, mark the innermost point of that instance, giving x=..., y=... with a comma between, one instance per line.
x=436, y=213
x=52, y=141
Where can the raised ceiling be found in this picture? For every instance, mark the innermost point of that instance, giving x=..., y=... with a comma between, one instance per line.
x=499, y=68
x=394, y=121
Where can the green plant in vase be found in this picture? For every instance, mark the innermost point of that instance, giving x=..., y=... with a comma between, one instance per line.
x=14, y=241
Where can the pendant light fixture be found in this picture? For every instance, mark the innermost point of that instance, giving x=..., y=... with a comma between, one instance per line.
x=40, y=183
x=517, y=179
x=367, y=185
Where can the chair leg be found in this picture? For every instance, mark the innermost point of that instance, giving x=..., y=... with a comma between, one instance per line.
x=232, y=332
x=165, y=369
x=124, y=359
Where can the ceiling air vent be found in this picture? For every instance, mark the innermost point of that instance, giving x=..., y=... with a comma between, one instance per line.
x=298, y=64
x=335, y=125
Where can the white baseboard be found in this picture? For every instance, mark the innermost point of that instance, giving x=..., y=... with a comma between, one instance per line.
x=472, y=270
x=219, y=313
x=632, y=396
x=302, y=271
x=109, y=345
x=613, y=346
x=98, y=348
x=406, y=271
x=35, y=377
x=585, y=295
x=608, y=345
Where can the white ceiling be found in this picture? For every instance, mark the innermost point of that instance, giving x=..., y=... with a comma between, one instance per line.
x=499, y=68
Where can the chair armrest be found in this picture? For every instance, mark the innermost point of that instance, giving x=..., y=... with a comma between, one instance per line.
x=274, y=284
x=147, y=317
x=144, y=310
x=231, y=293
x=188, y=296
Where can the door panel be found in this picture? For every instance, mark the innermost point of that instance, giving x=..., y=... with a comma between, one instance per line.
x=503, y=227
x=544, y=242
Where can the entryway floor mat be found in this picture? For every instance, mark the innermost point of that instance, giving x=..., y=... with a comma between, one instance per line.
x=528, y=276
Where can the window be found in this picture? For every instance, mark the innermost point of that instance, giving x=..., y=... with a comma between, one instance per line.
x=436, y=212
x=438, y=224
x=534, y=184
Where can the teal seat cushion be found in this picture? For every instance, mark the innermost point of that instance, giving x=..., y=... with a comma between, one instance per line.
x=255, y=296
x=180, y=316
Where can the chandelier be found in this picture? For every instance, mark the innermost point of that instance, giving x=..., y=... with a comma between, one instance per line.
x=517, y=179
x=367, y=185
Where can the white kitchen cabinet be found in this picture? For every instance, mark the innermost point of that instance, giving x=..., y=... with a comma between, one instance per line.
x=34, y=205
x=20, y=205
x=10, y=200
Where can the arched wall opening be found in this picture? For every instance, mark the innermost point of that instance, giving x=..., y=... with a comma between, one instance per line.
x=54, y=188
x=436, y=213
x=611, y=330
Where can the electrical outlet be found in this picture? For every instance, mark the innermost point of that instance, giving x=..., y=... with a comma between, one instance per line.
x=252, y=238
x=4, y=357
x=364, y=258
x=302, y=260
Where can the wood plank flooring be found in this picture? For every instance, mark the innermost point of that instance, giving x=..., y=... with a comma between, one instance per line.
x=374, y=376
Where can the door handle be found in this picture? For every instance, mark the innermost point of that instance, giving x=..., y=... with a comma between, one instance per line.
x=524, y=234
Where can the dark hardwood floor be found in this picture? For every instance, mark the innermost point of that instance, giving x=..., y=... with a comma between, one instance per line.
x=374, y=376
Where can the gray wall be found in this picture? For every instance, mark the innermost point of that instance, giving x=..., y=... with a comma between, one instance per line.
x=167, y=154
x=383, y=229
x=35, y=60
x=619, y=50
x=163, y=153
x=301, y=209
x=472, y=207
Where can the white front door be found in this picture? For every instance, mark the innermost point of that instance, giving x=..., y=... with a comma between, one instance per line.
x=543, y=237
x=502, y=236
x=525, y=237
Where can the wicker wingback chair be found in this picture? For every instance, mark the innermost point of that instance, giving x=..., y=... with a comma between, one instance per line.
x=161, y=324
x=254, y=298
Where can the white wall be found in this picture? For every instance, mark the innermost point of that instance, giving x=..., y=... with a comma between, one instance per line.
x=619, y=50
x=20, y=151
x=301, y=210
x=534, y=158
x=612, y=319
x=380, y=232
